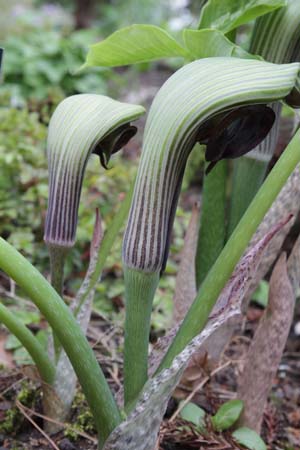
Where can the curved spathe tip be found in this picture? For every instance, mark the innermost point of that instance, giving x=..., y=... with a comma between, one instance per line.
x=81, y=124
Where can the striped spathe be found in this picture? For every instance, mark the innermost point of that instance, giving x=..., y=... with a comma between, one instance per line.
x=186, y=101
x=276, y=37
x=81, y=124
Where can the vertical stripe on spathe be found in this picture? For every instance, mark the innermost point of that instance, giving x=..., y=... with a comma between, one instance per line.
x=76, y=128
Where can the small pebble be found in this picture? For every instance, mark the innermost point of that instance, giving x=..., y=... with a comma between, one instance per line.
x=297, y=329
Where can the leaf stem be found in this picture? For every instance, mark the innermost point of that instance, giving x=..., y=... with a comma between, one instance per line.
x=212, y=223
x=94, y=385
x=248, y=175
x=219, y=274
x=28, y=340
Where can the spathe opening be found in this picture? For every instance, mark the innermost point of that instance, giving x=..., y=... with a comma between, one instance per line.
x=234, y=133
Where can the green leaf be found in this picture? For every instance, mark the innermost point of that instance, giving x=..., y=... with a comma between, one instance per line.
x=261, y=294
x=209, y=43
x=193, y=413
x=132, y=45
x=12, y=343
x=42, y=336
x=227, y=415
x=227, y=15
x=27, y=317
x=22, y=357
x=249, y=439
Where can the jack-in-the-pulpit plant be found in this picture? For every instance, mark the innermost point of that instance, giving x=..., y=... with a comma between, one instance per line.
x=221, y=101
x=81, y=125
x=193, y=105
x=275, y=38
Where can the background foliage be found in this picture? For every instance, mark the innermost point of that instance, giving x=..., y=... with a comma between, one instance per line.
x=43, y=51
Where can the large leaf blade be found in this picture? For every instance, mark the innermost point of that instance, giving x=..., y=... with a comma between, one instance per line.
x=134, y=44
x=227, y=15
x=209, y=43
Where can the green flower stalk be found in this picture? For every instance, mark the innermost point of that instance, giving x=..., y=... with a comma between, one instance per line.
x=211, y=101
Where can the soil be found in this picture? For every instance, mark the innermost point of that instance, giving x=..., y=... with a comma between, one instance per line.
x=281, y=426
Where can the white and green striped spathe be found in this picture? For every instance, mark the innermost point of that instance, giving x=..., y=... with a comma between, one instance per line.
x=187, y=100
x=276, y=37
x=81, y=124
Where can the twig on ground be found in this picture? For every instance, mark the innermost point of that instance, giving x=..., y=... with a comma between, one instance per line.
x=57, y=422
x=46, y=436
x=12, y=386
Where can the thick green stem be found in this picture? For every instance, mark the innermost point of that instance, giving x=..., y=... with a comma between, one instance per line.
x=57, y=262
x=248, y=175
x=139, y=294
x=212, y=224
x=219, y=274
x=38, y=354
x=94, y=385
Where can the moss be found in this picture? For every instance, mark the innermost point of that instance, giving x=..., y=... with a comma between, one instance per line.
x=83, y=420
x=27, y=394
x=14, y=419
x=11, y=421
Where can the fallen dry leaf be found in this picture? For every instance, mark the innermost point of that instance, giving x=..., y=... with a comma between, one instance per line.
x=6, y=358
x=185, y=288
x=266, y=349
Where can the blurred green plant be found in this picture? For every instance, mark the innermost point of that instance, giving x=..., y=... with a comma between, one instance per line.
x=23, y=188
x=41, y=63
x=225, y=418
